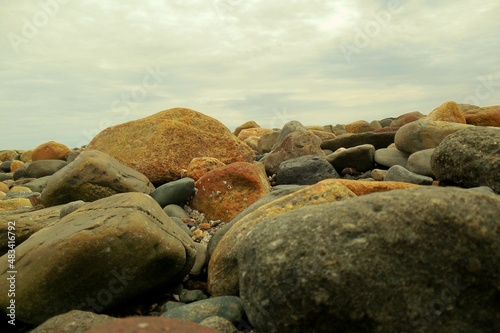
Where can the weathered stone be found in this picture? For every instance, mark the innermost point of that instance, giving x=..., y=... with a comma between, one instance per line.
x=267, y=141
x=200, y=261
x=469, y=157
x=448, y=111
x=50, y=151
x=424, y=134
x=253, y=143
x=360, y=126
x=406, y=118
x=361, y=265
x=71, y=207
x=8, y=155
x=201, y=165
x=4, y=187
x=223, y=265
x=14, y=203
x=5, y=166
x=221, y=324
x=289, y=128
x=174, y=192
x=223, y=193
x=485, y=116
x=21, y=172
x=305, y=170
x=162, y=145
x=378, y=140
x=420, y=162
x=93, y=175
x=74, y=321
x=258, y=132
x=26, y=155
x=322, y=135
x=15, y=165
x=104, y=254
x=397, y=173
x=247, y=125
x=38, y=184
x=360, y=158
x=362, y=187
x=378, y=174
x=151, y=325
x=190, y=296
x=42, y=168
x=390, y=156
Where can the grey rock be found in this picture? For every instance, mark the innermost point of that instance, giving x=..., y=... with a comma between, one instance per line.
x=384, y=262
x=174, y=192
x=37, y=185
x=5, y=166
x=6, y=176
x=71, y=207
x=360, y=158
x=378, y=140
x=470, y=158
x=386, y=122
x=398, y=173
x=74, y=321
x=305, y=170
x=290, y=127
x=42, y=168
x=390, y=156
x=15, y=194
x=171, y=305
x=228, y=307
x=21, y=172
x=189, y=296
x=420, y=162
x=221, y=324
x=378, y=174
x=174, y=210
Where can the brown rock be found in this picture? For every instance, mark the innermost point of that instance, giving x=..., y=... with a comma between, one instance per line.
x=151, y=325
x=15, y=164
x=74, y=321
x=14, y=203
x=361, y=187
x=3, y=187
x=201, y=165
x=448, y=111
x=486, y=116
x=50, y=151
x=253, y=143
x=267, y=141
x=26, y=156
x=223, y=193
x=258, y=132
x=323, y=135
x=223, y=266
x=360, y=126
x=247, y=125
x=162, y=145
x=8, y=155
x=406, y=118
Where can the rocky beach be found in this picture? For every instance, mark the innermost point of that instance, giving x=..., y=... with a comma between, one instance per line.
x=173, y=223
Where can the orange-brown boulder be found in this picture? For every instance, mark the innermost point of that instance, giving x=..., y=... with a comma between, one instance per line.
x=360, y=187
x=486, y=116
x=258, y=132
x=248, y=124
x=15, y=164
x=223, y=193
x=201, y=165
x=50, y=151
x=162, y=145
x=406, y=118
x=448, y=111
x=360, y=126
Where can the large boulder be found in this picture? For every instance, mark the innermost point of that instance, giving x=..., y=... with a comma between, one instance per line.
x=162, y=145
x=93, y=175
x=469, y=157
x=448, y=111
x=415, y=260
x=100, y=256
x=485, y=116
x=50, y=151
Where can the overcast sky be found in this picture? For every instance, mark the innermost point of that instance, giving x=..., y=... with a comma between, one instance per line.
x=71, y=68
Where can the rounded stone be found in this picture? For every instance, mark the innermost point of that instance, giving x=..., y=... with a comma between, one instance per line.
x=50, y=151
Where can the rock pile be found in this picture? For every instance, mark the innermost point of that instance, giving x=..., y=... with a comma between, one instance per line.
x=381, y=226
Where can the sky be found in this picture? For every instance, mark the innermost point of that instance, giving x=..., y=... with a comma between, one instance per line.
x=69, y=69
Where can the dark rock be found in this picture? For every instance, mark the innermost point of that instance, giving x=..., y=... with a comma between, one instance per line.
x=5, y=166
x=305, y=170
x=6, y=176
x=190, y=296
x=42, y=168
x=360, y=158
x=397, y=173
x=21, y=172
x=378, y=140
x=174, y=192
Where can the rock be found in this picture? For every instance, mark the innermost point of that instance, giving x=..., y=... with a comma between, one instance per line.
x=378, y=174
x=466, y=107
x=71, y=207
x=174, y=192
x=21, y=171
x=191, y=296
x=228, y=307
x=50, y=151
x=360, y=126
x=92, y=176
x=200, y=261
x=104, y=255
x=361, y=265
x=14, y=203
x=247, y=125
x=162, y=145
x=5, y=166
x=173, y=210
x=424, y=134
x=6, y=176
x=8, y=155
x=469, y=157
x=3, y=187
x=151, y=325
x=386, y=122
x=27, y=223
x=305, y=170
x=378, y=140
x=322, y=135
x=360, y=158
x=223, y=266
x=420, y=162
x=2, y=195
x=201, y=165
x=26, y=155
x=249, y=132
x=221, y=324
x=406, y=118
x=397, y=173
x=224, y=192
x=375, y=125
x=15, y=165
x=37, y=185
x=390, y=156
x=74, y=321
x=485, y=116
x=289, y=128
x=362, y=187
x=267, y=141
x=448, y=111
x=42, y=168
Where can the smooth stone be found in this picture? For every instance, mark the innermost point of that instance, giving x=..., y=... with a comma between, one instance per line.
x=21, y=172
x=221, y=324
x=293, y=126
x=71, y=207
x=42, y=168
x=5, y=166
x=359, y=126
x=485, y=116
x=420, y=162
x=305, y=170
x=174, y=192
x=200, y=261
x=246, y=125
x=15, y=194
x=406, y=118
x=182, y=225
x=15, y=203
x=378, y=174
x=267, y=141
x=360, y=158
x=38, y=184
x=50, y=151
x=390, y=156
x=398, y=173
x=190, y=296
x=174, y=210
x=8, y=155
x=448, y=111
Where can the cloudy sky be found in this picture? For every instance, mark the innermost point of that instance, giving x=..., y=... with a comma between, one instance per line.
x=71, y=68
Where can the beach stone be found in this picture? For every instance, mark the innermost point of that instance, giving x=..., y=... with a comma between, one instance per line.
x=50, y=151
x=466, y=107
x=201, y=165
x=249, y=132
x=267, y=141
x=357, y=252
x=4, y=187
x=406, y=118
x=26, y=156
x=424, y=134
x=470, y=158
x=360, y=158
x=397, y=173
x=228, y=307
x=360, y=126
x=378, y=140
x=71, y=207
x=190, y=296
x=201, y=258
x=38, y=184
x=247, y=125
x=8, y=155
x=42, y=168
x=448, y=111
x=27, y=223
x=15, y=165
x=6, y=176
x=362, y=187
x=104, y=255
x=21, y=171
x=14, y=203
x=151, y=324
x=375, y=125
x=290, y=127
x=378, y=174
x=162, y=145
x=174, y=210
x=221, y=324
x=223, y=264
x=182, y=225
x=322, y=135
x=174, y=192
x=386, y=122
x=92, y=176
x=420, y=162
x=223, y=193
x=390, y=156
x=305, y=170
x=5, y=166
x=485, y=116
x=2, y=195
x=74, y=321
